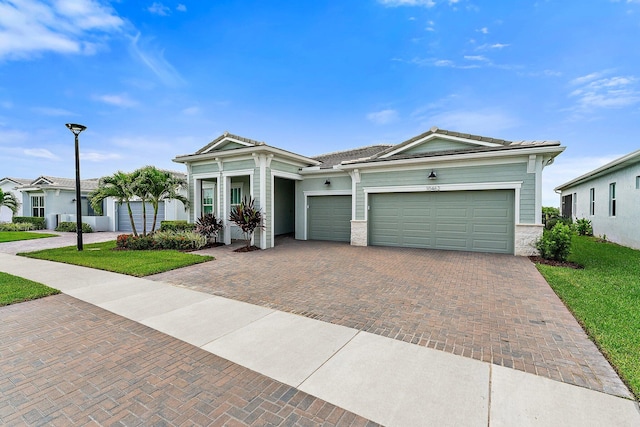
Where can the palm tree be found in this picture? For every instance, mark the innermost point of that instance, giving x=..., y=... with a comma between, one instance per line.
x=9, y=200
x=120, y=187
x=156, y=185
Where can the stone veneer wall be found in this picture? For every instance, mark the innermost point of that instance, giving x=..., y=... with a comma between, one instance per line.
x=359, y=233
x=526, y=237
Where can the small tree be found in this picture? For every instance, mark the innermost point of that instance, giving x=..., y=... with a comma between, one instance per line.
x=208, y=226
x=247, y=217
x=120, y=187
x=555, y=243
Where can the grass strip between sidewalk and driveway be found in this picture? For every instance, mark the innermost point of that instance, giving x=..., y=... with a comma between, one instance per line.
x=14, y=236
x=102, y=256
x=605, y=298
x=14, y=289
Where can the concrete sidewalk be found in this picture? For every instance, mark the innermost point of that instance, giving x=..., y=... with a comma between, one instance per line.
x=382, y=379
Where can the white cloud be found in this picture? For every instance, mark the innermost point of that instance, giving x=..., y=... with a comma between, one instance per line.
x=383, y=117
x=30, y=27
x=122, y=100
x=54, y=112
x=181, y=8
x=159, y=9
x=483, y=30
x=190, y=111
x=596, y=91
x=156, y=62
x=41, y=153
x=476, y=58
x=487, y=46
x=397, y=3
x=99, y=157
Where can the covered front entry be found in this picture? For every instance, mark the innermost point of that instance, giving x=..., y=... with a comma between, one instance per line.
x=329, y=218
x=124, y=223
x=478, y=221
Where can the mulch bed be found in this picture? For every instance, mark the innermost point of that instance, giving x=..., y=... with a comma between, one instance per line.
x=540, y=260
x=247, y=249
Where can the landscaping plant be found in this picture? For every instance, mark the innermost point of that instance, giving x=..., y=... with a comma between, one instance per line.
x=555, y=244
x=73, y=227
x=10, y=201
x=584, y=227
x=247, y=217
x=18, y=226
x=209, y=226
x=37, y=222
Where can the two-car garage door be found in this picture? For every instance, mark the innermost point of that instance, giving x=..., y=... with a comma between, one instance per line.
x=480, y=221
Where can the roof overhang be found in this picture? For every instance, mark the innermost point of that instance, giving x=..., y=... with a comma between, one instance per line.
x=260, y=149
x=615, y=165
x=405, y=146
x=550, y=151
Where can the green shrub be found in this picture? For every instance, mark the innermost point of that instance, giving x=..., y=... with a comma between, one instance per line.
x=179, y=240
x=555, y=243
x=247, y=217
x=549, y=213
x=584, y=227
x=137, y=243
x=38, y=223
x=178, y=225
x=19, y=226
x=72, y=227
x=561, y=220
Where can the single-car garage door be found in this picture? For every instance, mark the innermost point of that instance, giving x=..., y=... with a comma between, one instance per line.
x=124, y=223
x=479, y=221
x=329, y=218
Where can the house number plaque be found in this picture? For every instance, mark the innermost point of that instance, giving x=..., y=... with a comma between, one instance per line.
x=433, y=188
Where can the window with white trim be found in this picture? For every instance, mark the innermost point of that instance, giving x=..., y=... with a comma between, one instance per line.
x=208, y=192
x=612, y=199
x=37, y=206
x=638, y=182
x=574, y=209
x=592, y=201
x=236, y=194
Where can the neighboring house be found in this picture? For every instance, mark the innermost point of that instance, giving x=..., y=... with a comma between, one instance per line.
x=10, y=185
x=54, y=198
x=440, y=190
x=609, y=197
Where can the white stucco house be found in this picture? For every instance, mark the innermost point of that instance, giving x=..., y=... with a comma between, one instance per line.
x=609, y=197
x=10, y=185
x=438, y=190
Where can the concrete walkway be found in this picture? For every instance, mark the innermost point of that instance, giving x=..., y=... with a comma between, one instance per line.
x=385, y=380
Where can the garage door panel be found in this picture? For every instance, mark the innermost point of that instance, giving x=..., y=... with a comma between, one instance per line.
x=329, y=218
x=460, y=220
x=124, y=222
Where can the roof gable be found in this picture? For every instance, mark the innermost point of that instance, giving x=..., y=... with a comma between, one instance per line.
x=228, y=141
x=435, y=140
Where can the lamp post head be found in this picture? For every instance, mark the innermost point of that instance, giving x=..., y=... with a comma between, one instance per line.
x=75, y=128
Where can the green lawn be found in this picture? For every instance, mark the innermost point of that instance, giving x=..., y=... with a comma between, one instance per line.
x=605, y=298
x=15, y=289
x=134, y=263
x=12, y=236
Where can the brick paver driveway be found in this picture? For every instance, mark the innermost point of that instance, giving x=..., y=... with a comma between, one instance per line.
x=495, y=308
x=65, y=362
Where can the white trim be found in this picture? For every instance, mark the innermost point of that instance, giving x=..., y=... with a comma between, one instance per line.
x=312, y=193
x=227, y=139
x=287, y=175
x=219, y=161
x=441, y=136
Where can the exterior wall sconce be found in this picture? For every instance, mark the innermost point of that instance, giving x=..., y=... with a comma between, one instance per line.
x=327, y=182
x=432, y=175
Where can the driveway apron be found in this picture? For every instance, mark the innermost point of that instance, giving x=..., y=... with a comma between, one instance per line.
x=489, y=307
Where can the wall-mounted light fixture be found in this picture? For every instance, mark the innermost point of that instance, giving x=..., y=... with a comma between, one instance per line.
x=327, y=182
x=432, y=175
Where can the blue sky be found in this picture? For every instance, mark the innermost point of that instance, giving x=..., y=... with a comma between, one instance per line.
x=152, y=80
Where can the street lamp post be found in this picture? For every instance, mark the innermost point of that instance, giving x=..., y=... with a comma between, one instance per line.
x=76, y=129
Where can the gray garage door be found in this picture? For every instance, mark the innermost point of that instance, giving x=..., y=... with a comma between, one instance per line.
x=329, y=218
x=124, y=223
x=480, y=221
